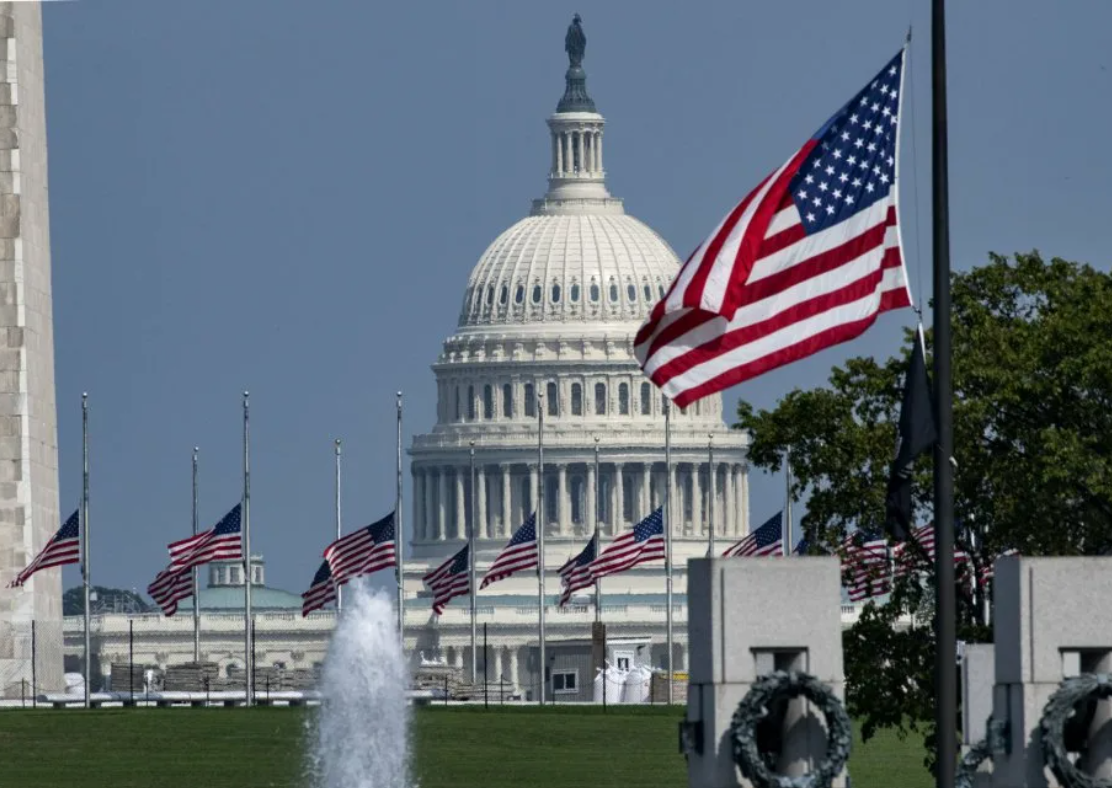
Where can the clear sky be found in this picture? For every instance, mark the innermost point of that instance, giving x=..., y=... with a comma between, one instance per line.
x=288, y=197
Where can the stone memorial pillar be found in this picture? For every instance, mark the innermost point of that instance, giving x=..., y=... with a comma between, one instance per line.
x=748, y=618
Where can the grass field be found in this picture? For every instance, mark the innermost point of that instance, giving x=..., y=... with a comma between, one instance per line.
x=453, y=748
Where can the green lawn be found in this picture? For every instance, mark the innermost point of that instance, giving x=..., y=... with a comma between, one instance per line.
x=453, y=748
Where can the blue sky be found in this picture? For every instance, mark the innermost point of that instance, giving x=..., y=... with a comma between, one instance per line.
x=288, y=198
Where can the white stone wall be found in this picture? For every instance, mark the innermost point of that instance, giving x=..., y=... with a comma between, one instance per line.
x=28, y=418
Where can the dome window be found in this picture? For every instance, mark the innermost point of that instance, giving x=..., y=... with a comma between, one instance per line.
x=470, y=403
x=490, y=295
x=613, y=292
x=646, y=402
x=623, y=397
x=631, y=291
x=530, y=401
x=555, y=293
x=488, y=402
x=600, y=399
x=505, y=295
x=661, y=289
x=507, y=401
x=553, y=402
x=576, y=399
x=536, y=294
x=594, y=292
x=575, y=293
x=519, y=295
x=648, y=294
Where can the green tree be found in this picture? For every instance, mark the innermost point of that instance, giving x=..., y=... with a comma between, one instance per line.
x=1032, y=373
x=108, y=600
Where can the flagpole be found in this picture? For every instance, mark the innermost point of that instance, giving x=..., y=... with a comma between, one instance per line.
x=399, y=532
x=788, y=502
x=598, y=582
x=945, y=599
x=193, y=571
x=712, y=477
x=540, y=536
x=86, y=574
x=249, y=657
x=471, y=569
x=339, y=517
x=668, y=539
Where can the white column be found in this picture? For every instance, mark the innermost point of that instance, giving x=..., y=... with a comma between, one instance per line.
x=558, y=142
x=569, y=159
x=619, y=500
x=428, y=512
x=533, y=496
x=496, y=677
x=461, y=503
x=483, y=531
x=582, y=152
x=712, y=495
x=562, y=498
x=728, y=501
x=589, y=512
x=598, y=153
x=442, y=504
x=556, y=158
x=697, y=526
x=675, y=506
x=506, y=509
x=744, y=500
x=515, y=675
x=418, y=505
x=457, y=657
x=646, y=491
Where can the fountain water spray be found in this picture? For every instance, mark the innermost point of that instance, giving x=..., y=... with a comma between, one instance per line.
x=359, y=737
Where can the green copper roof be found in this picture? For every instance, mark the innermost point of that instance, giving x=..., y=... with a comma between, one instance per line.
x=575, y=91
x=231, y=598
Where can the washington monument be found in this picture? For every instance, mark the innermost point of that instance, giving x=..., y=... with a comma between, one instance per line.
x=28, y=414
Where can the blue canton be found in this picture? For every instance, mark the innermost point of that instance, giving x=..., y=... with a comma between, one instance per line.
x=383, y=530
x=230, y=523
x=653, y=525
x=69, y=530
x=527, y=532
x=854, y=163
x=770, y=532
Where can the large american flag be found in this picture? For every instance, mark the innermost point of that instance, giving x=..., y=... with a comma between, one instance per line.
x=576, y=573
x=768, y=540
x=364, y=551
x=169, y=587
x=806, y=261
x=63, y=548
x=866, y=569
x=519, y=554
x=644, y=542
x=449, y=580
x=224, y=542
x=321, y=591
x=909, y=560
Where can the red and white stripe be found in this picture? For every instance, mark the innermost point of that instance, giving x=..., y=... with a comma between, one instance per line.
x=626, y=552
x=169, y=587
x=447, y=583
x=908, y=559
x=866, y=568
x=205, y=547
x=358, y=554
x=56, y=553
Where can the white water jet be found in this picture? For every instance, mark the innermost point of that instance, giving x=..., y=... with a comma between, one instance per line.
x=359, y=737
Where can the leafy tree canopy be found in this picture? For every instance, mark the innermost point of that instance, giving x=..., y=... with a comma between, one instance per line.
x=1032, y=374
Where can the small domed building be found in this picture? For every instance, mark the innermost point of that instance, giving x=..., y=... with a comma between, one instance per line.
x=547, y=322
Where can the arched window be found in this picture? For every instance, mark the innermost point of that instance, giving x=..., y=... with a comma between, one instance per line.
x=578, y=489
x=576, y=399
x=661, y=289
x=551, y=500
x=631, y=292
x=623, y=399
x=505, y=295
x=488, y=401
x=458, y=414
x=470, y=403
x=507, y=401
x=600, y=399
x=490, y=295
x=646, y=402
x=594, y=292
x=519, y=294
x=648, y=293
x=553, y=401
x=613, y=292
x=536, y=294
x=575, y=293
x=530, y=400
x=555, y=293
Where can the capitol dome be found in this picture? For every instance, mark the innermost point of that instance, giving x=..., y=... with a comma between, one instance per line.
x=543, y=353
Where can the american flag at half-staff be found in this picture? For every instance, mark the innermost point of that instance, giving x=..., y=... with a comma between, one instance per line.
x=644, y=542
x=768, y=540
x=321, y=591
x=363, y=552
x=908, y=559
x=449, y=580
x=223, y=542
x=518, y=555
x=806, y=261
x=169, y=587
x=63, y=548
x=866, y=569
x=576, y=573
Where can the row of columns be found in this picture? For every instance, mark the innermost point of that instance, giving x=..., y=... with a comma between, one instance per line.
x=577, y=151
x=441, y=498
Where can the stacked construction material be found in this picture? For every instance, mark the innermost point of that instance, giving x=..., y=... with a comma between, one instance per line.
x=127, y=677
x=191, y=677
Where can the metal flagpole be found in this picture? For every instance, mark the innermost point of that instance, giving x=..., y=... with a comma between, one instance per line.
x=471, y=570
x=248, y=635
x=339, y=516
x=598, y=503
x=788, y=502
x=540, y=536
x=712, y=477
x=193, y=571
x=85, y=568
x=945, y=600
x=399, y=533
x=668, y=537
